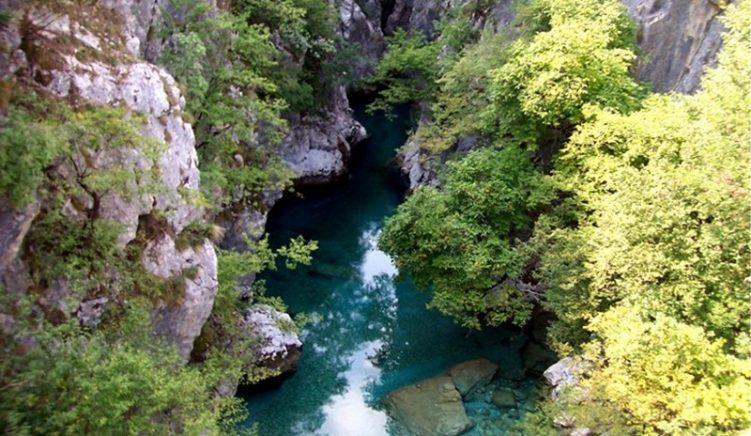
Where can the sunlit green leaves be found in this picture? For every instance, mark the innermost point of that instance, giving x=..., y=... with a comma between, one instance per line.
x=457, y=241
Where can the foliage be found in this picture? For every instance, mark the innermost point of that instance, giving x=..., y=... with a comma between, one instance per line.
x=75, y=382
x=644, y=251
x=462, y=96
x=664, y=207
x=407, y=72
x=38, y=130
x=29, y=146
x=668, y=376
x=117, y=377
x=411, y=68
x=298, y=252
x=647, y=261
x=458, y=241
x=583, y=58
x=222, y=62
x=306, y=32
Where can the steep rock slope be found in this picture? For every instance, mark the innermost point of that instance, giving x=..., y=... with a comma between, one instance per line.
x=678, y=39
x=83, y=56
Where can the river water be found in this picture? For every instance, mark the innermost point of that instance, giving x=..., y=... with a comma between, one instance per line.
x=369, y=334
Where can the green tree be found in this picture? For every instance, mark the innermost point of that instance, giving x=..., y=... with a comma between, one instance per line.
x=222, y=61
x=407, y=72
x=62, y=380
x=458, y=241
x=668, y=376
x=647, y=259
x=662, y=206
x=462, y=95
x=580, y=54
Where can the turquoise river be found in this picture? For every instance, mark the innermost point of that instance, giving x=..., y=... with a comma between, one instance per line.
x=369, y=333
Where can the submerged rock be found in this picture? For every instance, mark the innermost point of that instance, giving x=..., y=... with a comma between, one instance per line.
x=504, y=398
x=473, y=374
x=432, y=407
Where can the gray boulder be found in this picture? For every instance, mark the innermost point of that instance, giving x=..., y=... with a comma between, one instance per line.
x=566, y=374
x=473, y=374
x=180, y=321
x=275, y=342
x=317, y=147
x=432, y=407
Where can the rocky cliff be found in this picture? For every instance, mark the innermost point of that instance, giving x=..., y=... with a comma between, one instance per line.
x=677, y=39
x=318, y=145
x=89, y=57
x=106, y=56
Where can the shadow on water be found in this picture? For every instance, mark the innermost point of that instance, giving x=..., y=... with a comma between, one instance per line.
x=369, y=334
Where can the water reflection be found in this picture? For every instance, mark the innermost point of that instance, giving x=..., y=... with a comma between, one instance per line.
x=376, y=262
x=350, y=328
x=349, y=413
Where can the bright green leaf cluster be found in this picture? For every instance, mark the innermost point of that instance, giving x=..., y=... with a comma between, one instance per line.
x=458, y=240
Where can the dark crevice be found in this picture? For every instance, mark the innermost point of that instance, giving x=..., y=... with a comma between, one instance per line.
x=387, y=8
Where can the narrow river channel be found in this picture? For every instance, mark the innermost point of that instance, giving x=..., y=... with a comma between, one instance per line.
x=369, y=334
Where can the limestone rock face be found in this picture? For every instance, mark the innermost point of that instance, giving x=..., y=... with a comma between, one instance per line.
x=413, y=165
x=275, y=344
x=181, y=321
x=249, y=223
x=678, y=39
x=153, y=93
x=166, y=165
x=432, y=407
x=140, y=21
x=14, y=224
x=360, y=24
x=139, y=17
x=470, y=375
x=318, y=146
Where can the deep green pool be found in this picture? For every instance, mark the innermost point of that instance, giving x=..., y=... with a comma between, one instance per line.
x=368, y=334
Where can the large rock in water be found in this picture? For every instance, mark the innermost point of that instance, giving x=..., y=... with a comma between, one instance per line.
x=318, y=146
x=432, y=407
x=275, y=343
x=473, y=374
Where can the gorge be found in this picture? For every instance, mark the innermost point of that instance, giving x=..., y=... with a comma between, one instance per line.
x=367, y=334
x=374, y=217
